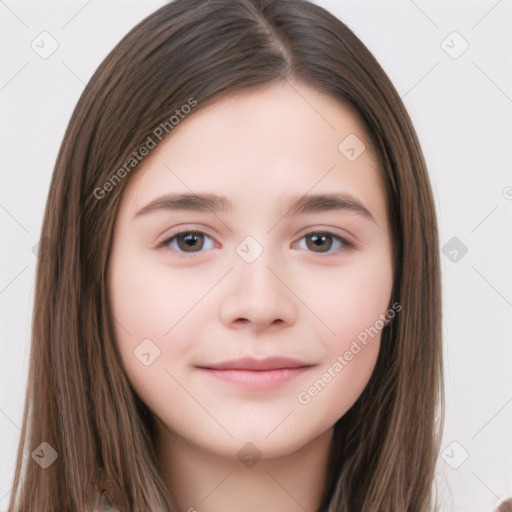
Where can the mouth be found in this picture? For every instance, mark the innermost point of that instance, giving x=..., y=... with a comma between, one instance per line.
x=257, y=374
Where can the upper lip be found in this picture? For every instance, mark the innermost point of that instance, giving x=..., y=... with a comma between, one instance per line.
x=249, y=363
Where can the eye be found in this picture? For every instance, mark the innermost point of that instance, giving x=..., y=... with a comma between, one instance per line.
x=192, y=242
x=323, y=241
x=187, y=242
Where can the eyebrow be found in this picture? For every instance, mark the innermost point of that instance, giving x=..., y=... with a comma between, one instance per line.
x=296, y=205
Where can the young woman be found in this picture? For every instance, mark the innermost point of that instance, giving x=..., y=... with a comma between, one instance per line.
x=238, y=301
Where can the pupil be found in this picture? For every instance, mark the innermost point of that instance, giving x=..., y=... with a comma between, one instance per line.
x=190, y=239
x=318, y=240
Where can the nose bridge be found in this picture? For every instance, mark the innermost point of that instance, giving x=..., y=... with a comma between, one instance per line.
x=257, y=279
x=256, y=293
x=253, y=272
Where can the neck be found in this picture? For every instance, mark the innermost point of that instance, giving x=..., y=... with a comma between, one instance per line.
x=203, y=481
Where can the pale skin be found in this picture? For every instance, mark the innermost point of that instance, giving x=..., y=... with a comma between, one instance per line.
x=204, y=303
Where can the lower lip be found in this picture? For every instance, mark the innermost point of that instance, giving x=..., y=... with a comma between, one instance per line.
x=257, y=379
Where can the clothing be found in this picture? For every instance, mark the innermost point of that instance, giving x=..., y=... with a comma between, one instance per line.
x=102, y=504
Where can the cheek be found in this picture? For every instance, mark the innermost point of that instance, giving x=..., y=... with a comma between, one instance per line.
x=351, y=302
x=148, y=298
x=338, y=384
x=146, y=305
x=350, y=298
x=153, y=301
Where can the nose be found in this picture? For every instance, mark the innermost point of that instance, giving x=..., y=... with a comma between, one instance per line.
x=258, y=296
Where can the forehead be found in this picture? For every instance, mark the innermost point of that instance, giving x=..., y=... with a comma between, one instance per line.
x=264, y=144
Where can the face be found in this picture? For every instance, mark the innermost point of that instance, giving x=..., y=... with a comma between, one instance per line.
x=253, y=318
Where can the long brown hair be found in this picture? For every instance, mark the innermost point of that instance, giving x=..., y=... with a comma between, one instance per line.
x=78, y=398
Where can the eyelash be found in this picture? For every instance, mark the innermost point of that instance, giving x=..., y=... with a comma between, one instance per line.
x=345, y=244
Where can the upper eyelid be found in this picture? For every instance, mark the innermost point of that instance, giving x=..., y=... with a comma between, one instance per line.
x=206, y=230
x=303, y=234
x=167, y=238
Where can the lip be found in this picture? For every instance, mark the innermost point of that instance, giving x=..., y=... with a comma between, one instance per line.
x=257, y=374
x=249, y=363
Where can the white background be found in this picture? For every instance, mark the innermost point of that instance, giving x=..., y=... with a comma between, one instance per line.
x=461, y=108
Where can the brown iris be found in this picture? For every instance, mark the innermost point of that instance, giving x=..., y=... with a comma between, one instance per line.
x=318, y=241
